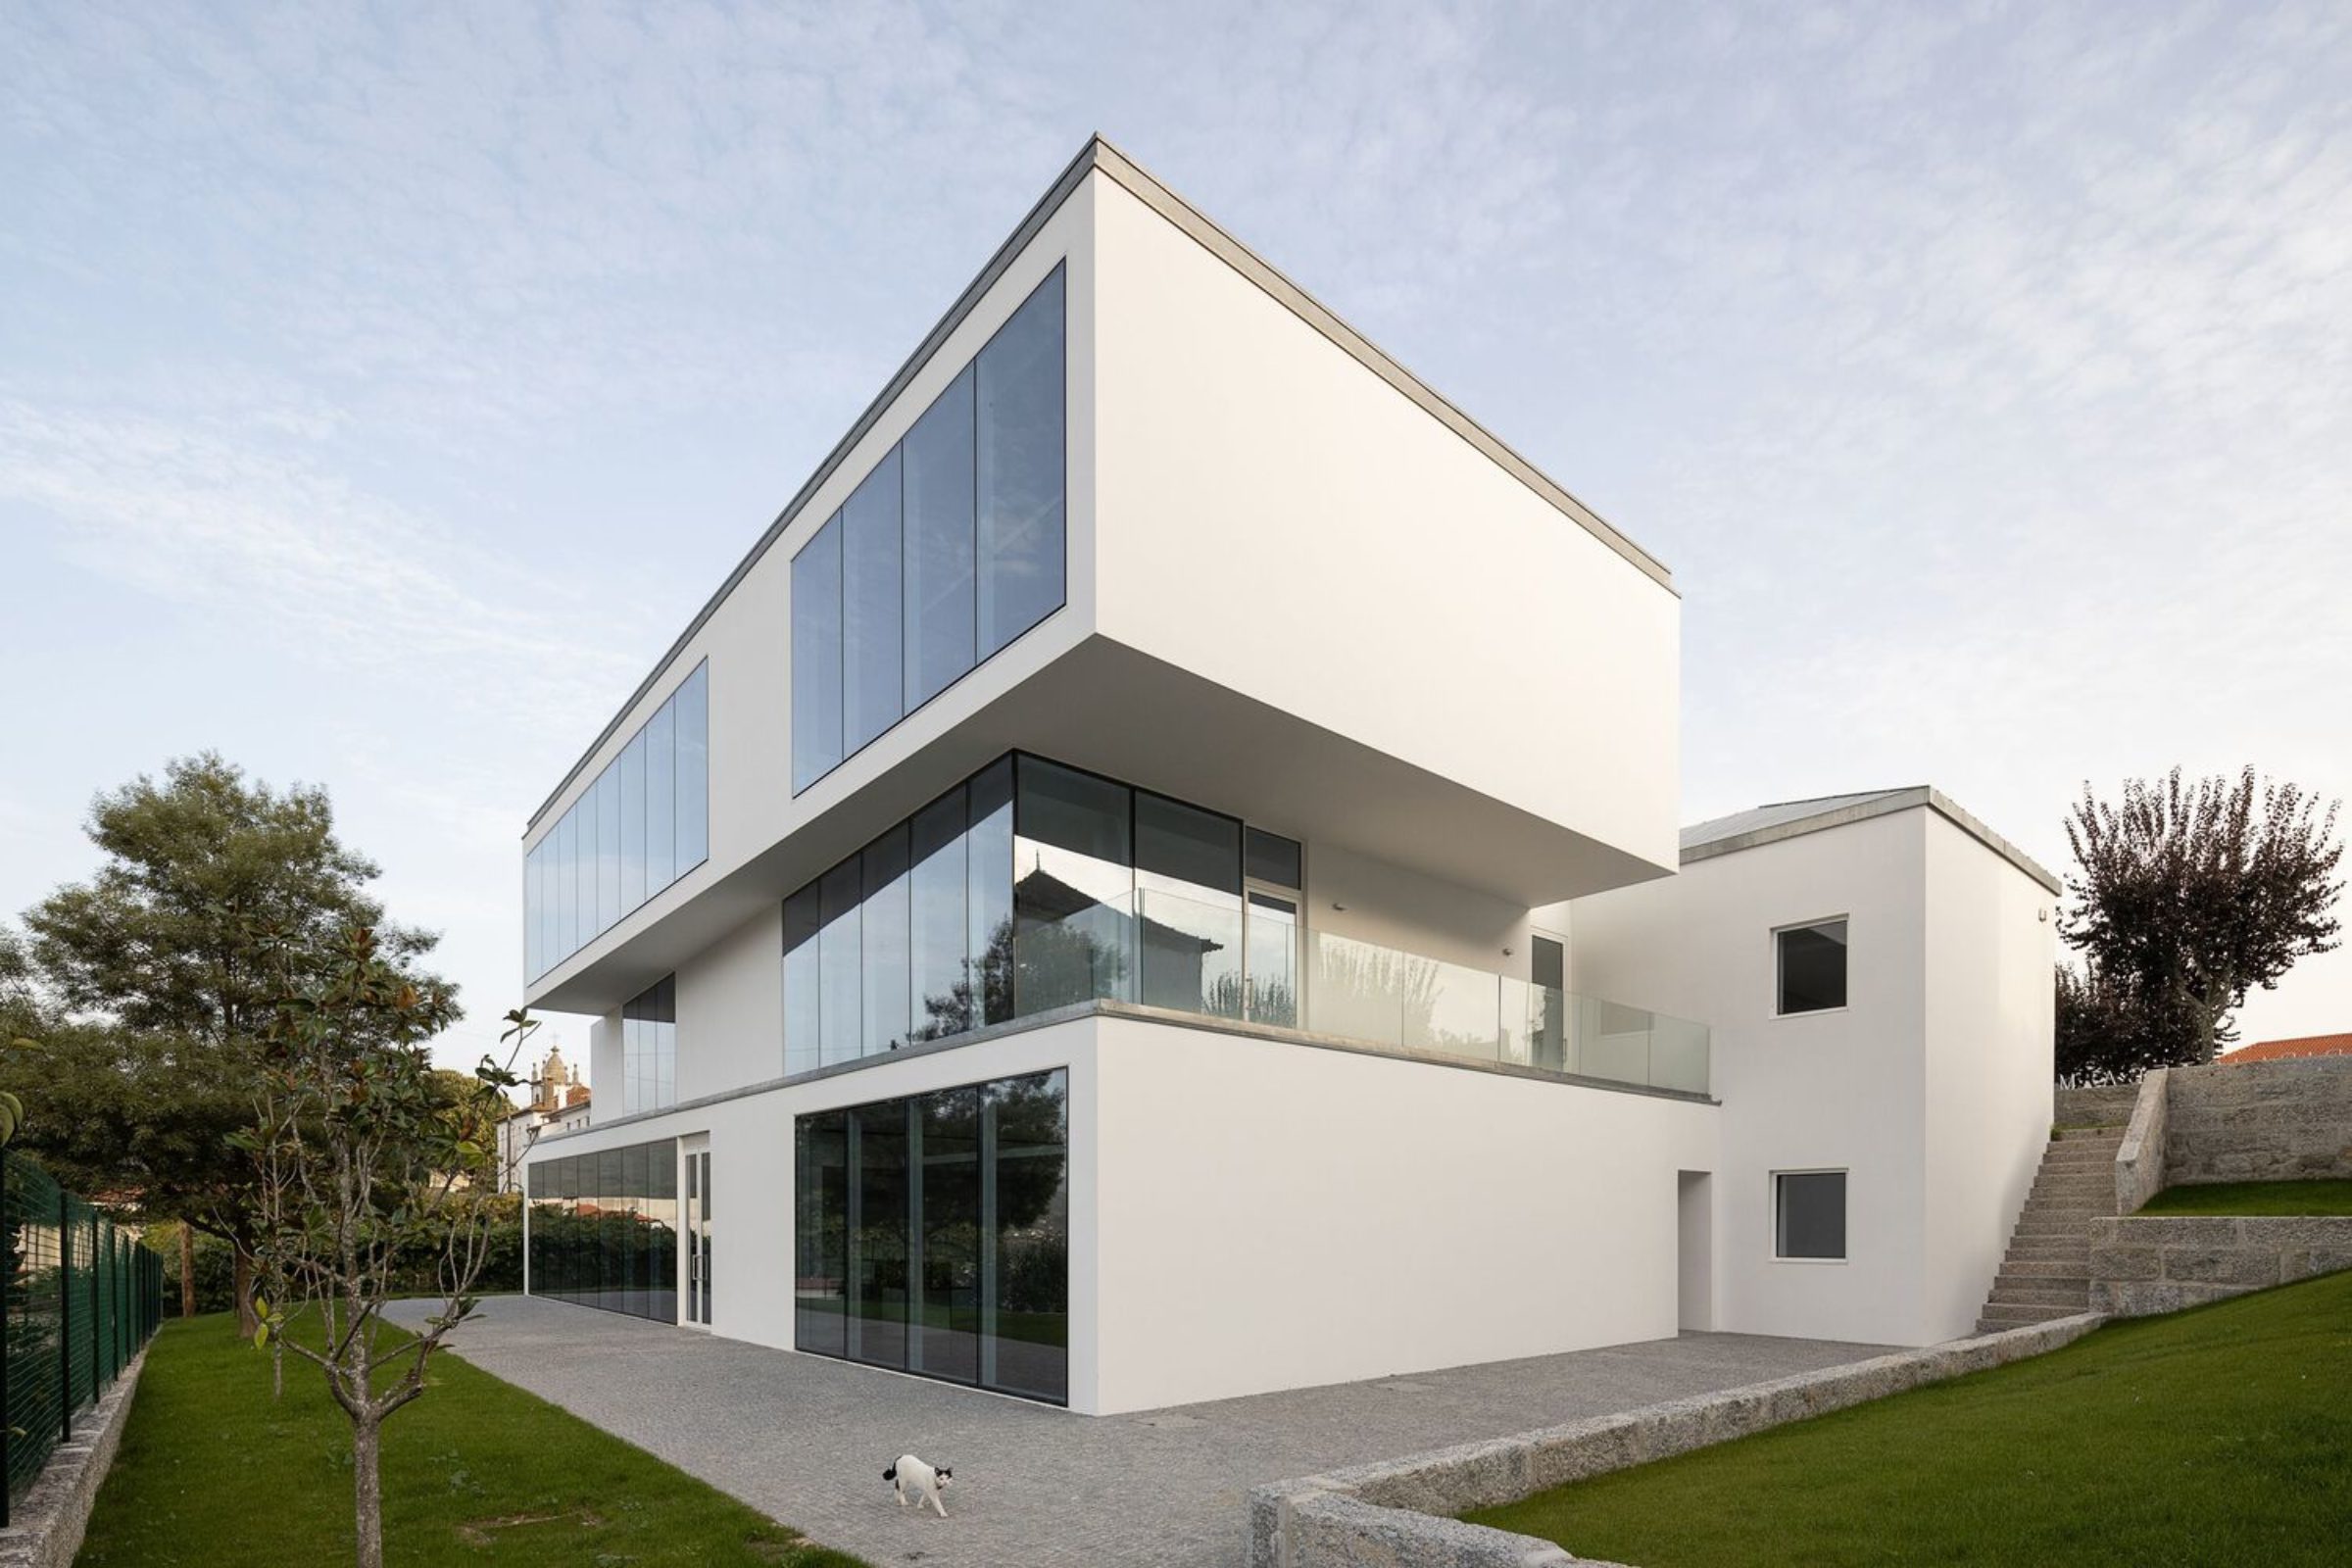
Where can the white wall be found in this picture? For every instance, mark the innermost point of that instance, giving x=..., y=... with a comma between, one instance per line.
x=731, y=1009
x=1370, y=900
x=1274, y=1215
x=1818, y=1091
x=1991, y=942
x=1277, y=517
x=1931, y=1088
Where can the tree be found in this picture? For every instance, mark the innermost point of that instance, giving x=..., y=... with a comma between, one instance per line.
x=363, y=1152
x=2107, y=1032
x=2186, y=897
x=158, y=986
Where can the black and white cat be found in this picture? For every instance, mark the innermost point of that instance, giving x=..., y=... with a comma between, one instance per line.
x=909, y=1477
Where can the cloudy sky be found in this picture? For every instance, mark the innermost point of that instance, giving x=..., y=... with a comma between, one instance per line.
x=382, y=390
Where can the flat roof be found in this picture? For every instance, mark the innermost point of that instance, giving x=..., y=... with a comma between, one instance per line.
x=1100, y=156
x=1788, y=820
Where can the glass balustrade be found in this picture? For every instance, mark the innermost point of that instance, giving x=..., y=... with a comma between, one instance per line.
x=1189, y=955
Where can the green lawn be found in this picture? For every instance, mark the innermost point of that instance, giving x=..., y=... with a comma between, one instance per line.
x=2219, y=1436
x=2255, y=1197
x=212, y=1474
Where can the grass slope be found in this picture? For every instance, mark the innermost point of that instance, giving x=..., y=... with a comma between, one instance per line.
x=2255, y=1197
x=214, y=1474
x=2220, y=1436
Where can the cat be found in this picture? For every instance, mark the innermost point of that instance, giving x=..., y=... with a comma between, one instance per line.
x=910, y=1476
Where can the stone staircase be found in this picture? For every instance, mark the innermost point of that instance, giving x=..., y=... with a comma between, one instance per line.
x=2047, y=1271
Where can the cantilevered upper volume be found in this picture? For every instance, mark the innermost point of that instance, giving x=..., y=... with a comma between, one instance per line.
x=1138, y=502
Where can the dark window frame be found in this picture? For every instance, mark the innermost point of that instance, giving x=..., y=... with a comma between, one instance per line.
x=1780, y=965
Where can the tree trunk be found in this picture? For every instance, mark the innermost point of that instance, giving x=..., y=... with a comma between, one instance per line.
x=242, y=1284
x=368, y=1493
x=187, y=1269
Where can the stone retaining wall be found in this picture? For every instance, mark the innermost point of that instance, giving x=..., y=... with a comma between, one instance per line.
x=2100, y=1105
x=46, y=1524
x=2139, y=1159
x=2265, y=1121
x=2143, y=1264
x=1393, y=1515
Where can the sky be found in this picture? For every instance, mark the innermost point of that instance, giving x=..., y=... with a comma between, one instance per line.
x=383, y=389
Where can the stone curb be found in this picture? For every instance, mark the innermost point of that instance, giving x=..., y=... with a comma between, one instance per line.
x=48, y=1521
x=1397, y=1514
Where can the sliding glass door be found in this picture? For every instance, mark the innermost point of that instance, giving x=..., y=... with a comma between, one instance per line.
x=931, y=1235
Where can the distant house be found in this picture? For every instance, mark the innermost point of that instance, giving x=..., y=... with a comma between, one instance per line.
x=2300, y=1045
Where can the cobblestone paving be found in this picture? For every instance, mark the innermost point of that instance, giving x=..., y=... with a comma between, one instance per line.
x=805, y=1440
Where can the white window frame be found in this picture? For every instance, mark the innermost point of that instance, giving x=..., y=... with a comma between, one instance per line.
x=1772, y=1203
x=1781, y=930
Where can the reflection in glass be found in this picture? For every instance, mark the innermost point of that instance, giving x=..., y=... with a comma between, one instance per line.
x=816, y=657
x=873, y=695
x=661, y=798
x=649, y=1045
x=1073, y=887
x=803, y=980
x=883, y=917
x=820, y=1233
x=947, y=1345
x=988, y=896
x=608, y=849
x=937, y=457
x=933, y=1235
x=878, y=1234
x=1187, y=876
x=1025, y=1320
x=603, y=1229
x=841, y=957
x=631, y=771
x=942, y=988
x=1020, y=428
x=693, y=703
x=1273, y=968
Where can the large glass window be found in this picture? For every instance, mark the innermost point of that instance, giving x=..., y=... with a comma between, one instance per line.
x=649, y=1048
x=1020, y=468
x=873, y=692
x=948, y=550
x=931, y=1235
x=939, y=594
x=604, y=1228
x=1032, y=886
x=640, y=824
x=1073, y=886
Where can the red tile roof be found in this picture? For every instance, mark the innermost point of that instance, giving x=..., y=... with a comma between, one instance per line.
x=2305, y=1046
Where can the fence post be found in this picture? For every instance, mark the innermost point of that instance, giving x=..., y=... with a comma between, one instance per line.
x=65, y=1318
x=97, y=1346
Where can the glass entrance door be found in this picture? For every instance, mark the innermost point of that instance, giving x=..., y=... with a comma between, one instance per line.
x=698, y=1238
x=1271, y=956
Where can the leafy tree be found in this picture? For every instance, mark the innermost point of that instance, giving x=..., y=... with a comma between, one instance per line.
x=156, y=975
x=364, y=1152
x=2108, y=1032
x=2188, y=896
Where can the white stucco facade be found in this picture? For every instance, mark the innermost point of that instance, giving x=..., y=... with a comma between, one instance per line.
x=1486, y=1069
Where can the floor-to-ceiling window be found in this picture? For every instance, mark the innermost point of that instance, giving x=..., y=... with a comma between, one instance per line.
x=605, y=1228
x=931, y=1235
x=952, y=547
x=1033, y=886
x=649, y=1048
x=641, y=824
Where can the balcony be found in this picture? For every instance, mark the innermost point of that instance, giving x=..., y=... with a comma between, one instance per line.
x=1260, y=965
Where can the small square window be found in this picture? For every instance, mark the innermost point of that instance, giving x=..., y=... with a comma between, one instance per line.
x=1808, y=1214
x=1811, y=961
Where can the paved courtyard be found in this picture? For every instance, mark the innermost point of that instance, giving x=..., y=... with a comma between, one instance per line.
x=805, y=1440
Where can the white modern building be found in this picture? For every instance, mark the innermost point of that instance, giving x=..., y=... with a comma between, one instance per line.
x=1158, y=878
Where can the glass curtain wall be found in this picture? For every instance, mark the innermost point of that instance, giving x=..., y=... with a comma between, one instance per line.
x=948, y=550
x=1031, y=886
x=931, y=1235
x=649, y=1048
x=605, y=1228
x=639, y=825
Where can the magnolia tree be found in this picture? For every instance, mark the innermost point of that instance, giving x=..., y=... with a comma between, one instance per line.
x=364, y=1153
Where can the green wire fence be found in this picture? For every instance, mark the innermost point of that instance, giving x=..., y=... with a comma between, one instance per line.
x=81, y=1297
